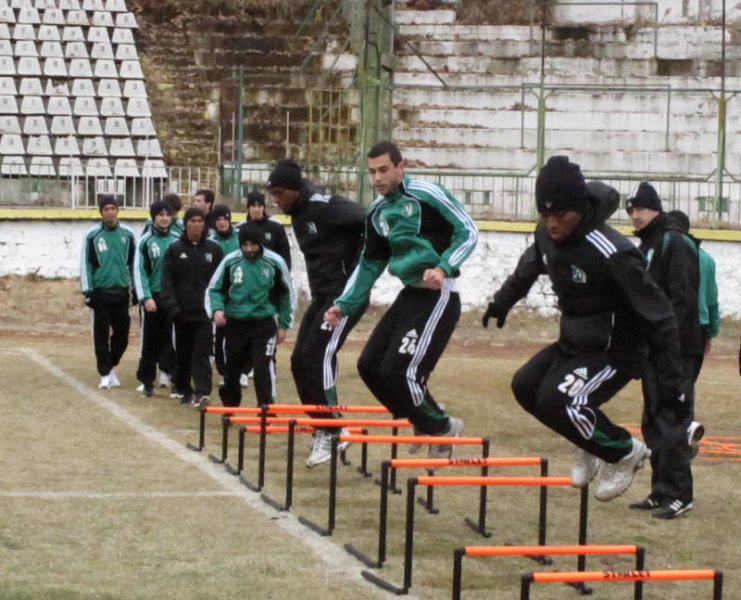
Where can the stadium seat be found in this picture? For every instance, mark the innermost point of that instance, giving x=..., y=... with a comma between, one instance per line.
x=94, y=146
x=51, y=49
x=148, y=148
x=59, y=105
x=12, y=144
x=53, y=16
x=125, y=167
x=32, y=105
x=76, y=50
x=7, y=87
x=49, y=33
x=29, y=65
x=80, y=67
x=72, y=33
x=35, y=126
x=29, y=15
x=105, y=69
x=44, y=4
x=142, y=127
x=116, y=127
x=24, y=31
x=126, y=20
x=70, y=165
x=134, y=88
x=8, y=105
x=7, y=15
x=102, y=50
x=83, y=87
x=42, y=166
x=98, y=34
x=93, y=5
x=116, y=5
x=109, y=87
x=112, y=107
x=126, y=52
x=4, y=31
x=69, y=4
x=122, y=36
x=102, y=18
x=55, y=87
x=13, y=165
x=6, y=48
x=61, y=125
x=10, y=124
x=39, y=145
x=122, y=147
x=31, y=86
x=78, y=17
x=154, y=169
x=98, y=167
x=66, y=146
x=89, y=126
x=53, y=67
x=21, y=3
x=131, y=69
x=7, y=65
x=85, y=106
x=25, y=48
x=138, y=107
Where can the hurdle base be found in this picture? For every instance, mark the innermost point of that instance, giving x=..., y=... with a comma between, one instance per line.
x=475, y=526
x=430, y=509
x=582, y=588
x=232, y=470
x=364, y=472
x=394, y=490
x=343, y=459
x=383, y=584
x=323, y=531
x=193, y=447
x=216, y=459
x=274, y=503
x=249, y=485
x=362, y=557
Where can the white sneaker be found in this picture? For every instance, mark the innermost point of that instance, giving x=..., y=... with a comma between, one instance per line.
x=321, y=449
x=244, y=380
x=165, y=380
x=105, y=382
x=114, y=379
x=140, y=388
x=341, y=445
x=615, y=478
x=455, y=429
x=176, y=395
x=417, y=446
x=199, y=402
x=695, y=432
x=584, y=469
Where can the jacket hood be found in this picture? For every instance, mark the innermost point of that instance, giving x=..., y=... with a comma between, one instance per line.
x=603, y=201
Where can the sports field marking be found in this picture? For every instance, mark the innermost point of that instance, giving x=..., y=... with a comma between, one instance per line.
x=335, y=561
x=114, y=495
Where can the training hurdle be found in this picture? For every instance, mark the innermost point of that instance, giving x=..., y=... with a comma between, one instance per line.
x=542, y=482
x=485, y=462
x=534, y=551
x=669, y=575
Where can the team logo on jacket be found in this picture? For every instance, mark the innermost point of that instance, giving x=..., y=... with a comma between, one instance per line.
x=265, y=272
x=102, y=246
x=268, y=236
x=577, y=275
x=209, y=257
x=407, y=209
x=311, y=228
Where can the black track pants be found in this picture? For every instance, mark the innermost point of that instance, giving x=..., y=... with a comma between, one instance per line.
x=111, y=322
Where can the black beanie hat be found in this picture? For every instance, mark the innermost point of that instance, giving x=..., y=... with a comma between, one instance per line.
x=105, y=200
x=644, y=196
x=157, y=208
x=250, y=232
x=560, y=187
x=255, y=198
x=221, y=210
x=287, y=175
x=193, y=211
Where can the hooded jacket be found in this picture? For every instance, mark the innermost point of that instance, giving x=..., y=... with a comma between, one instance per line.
x=609, y=304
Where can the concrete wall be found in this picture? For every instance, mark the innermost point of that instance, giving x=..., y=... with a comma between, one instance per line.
x=52, y=249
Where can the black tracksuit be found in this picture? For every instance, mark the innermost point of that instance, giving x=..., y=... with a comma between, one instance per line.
x=673, y=263
x=186, y=272
x=611, y=310
x=329, y=231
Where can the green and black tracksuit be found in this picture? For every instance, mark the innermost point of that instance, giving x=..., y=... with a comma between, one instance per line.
x=274, y=235
x=229, y=242
x=106, y=264
x=420, y=226
x=156, y=327
x=251, y=293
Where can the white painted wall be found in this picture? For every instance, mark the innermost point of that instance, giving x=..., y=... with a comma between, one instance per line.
x=52, y=249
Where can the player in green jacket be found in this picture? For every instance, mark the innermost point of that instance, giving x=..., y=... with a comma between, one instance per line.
x=106, y=264
x=423, y=234
x=156, y=327
x=248, y=290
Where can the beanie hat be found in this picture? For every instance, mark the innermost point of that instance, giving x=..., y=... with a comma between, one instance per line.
x=560, y=187
x=157, y=208
x=644, y=196
x=255, y=198
x=250, y=232
x=193, y=211
x=105, y=200
x=287, y=175
x=221, y=210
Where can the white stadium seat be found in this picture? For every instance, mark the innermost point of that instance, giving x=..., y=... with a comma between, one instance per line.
x=35, y=126
x=122, y=147
x=126, y=52
x=102, y=18
x=138, y=107
x=73, y=33
x=29, y=15
x=39, y=145
x=78, y=17
x=102, y=50
x=59, y=105
x=8, y=105
x=125, y=167
x=135, y=88
x=116, y=127
x=25, y=48
x=89, y=126
x=76, y=50
x=6, y=48
x=13, y=165
x=11, y=144
x=112, y=107
x=93, y=5
x=131, y=69
x=109, y=87
x=142, y=127
x=56, y=88
x=53, y=16
x=51, y=49
x=155, y=169
x=31, y=86
x=83, y=87
x=105, y=69
x=85, y=106
x=10, y=124
x=69, y=4
x=42, y=166
x=21, y=3
x=54, y=67
x=44, y=4
x=126, y=20
x=29, y=65
x=115, y=5
x=7, y=15
x=94, y=146
x=4, y=31
x=66, y=146
x=62, y=125
x=122, y=36
x=49, y=33
x=98, y=34
x=7, y=87
x=24, y=31
x=148, y=148
x=71, y=165
x=7, y=65
x=98, y=167
x=80, y=67
x=32, y=105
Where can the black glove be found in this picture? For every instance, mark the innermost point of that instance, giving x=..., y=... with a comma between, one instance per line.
x=89, y=300
x=495, y=311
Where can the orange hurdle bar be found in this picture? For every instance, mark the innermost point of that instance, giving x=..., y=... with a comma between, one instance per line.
x=337, y=423
x=638, y=575
x=524, y=480
x=566, y=550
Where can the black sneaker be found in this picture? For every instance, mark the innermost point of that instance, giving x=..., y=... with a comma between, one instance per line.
x=148, y=391
x=648, y=503
x=186, y=399
x=672, y=509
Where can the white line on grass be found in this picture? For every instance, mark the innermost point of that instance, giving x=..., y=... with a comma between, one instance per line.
x=114, y=495
x=336, y=561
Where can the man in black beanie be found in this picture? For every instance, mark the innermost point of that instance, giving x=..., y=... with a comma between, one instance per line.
x=329, y=231
x=611, y=311
x=273, y=232
x=673, y=263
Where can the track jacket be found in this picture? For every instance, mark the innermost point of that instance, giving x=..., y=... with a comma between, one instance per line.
x=708, y=297
x=329, y=231
x=609, y=304
x=673, y=264
x=420, y=226
x=275, y=237
x=252, y=289
x=107, y=260
x=150, y=253
x=229, y=242
x=186, y=271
